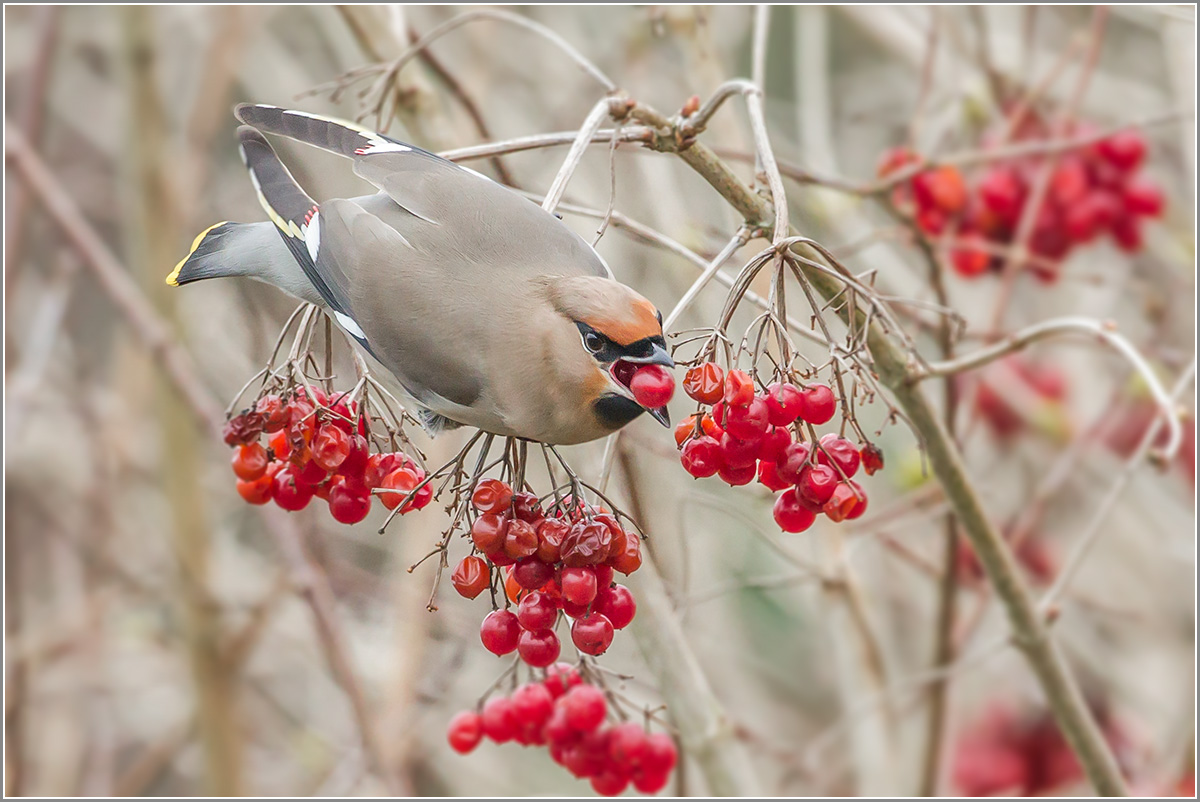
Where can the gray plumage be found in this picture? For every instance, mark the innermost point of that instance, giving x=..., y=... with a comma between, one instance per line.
x=461, y=288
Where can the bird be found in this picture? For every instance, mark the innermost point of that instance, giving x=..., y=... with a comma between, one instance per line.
x=487, y=309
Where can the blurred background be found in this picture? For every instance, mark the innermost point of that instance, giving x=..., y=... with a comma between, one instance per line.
x=163, y=637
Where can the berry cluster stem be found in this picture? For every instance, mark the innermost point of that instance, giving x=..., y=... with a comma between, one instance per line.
x=898, y=373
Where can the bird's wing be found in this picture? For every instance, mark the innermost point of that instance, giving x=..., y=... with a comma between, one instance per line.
x=468, y=215
x=295, y=214
x=410, y=316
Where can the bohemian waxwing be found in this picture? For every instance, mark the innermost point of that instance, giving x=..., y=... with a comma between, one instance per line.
x=486, y=308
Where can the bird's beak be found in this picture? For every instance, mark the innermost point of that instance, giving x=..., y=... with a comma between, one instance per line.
x=658, y=356
x=661, y=415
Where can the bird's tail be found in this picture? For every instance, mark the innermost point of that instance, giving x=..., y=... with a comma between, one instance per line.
x=243, y=249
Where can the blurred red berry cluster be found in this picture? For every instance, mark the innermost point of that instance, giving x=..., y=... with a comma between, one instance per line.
x=1093, y=190
x=317, y=447
x=1012, y=754
x=562, y=560
x=570, y=717
x=747, y=435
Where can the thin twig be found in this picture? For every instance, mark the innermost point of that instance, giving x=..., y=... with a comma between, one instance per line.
x=1101, y=330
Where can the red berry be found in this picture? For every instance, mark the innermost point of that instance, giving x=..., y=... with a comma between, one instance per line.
x=402, y=480
x=521, y=541
x=792, y=462
x=651, y=782
x=1124, y=150
x=686, y=429
x=1069, y=182
x=274, y=413
x=330, y=447
x=592, y=634
x=354, y=466
x=497, y=719
x=872, y=458
x=379, y=466
x=942, y=188
x=748, y=422
x=309, y=473
x=738, y=453
x=629, y=558
x=932, y=221
x=532, y=705
x=538, y=648
x=701, y=457
x=585, y=707
x=737, y=476
x=791, y=514
x=470, y=577
x=527, y=508
x=834, y=450
x=739, y=390
x=660, y=754
x=616, y=604
x=280, y=446
x=652, y=386
x=550, y=534
x=816, y=484
x=586, y=544
x=783, y=404
x=609, y=783
x=561, y=678
x=488, y=532
x=969, y=262
x=531, y=574
x=537, y=611
x=257, y=491
x=492, y=495
x=627, y=744
x=893, y=159
x=243, y=429
x=1002, y=192
x=578, y=585
x=768, y=476
x=819, y=404
x=774, y=443
x=465, y=731
x=290, y=494
x=604, y=573
x=348, y=506
x=1142, y=197
x=844, y=504
x=499, y=632
x=1127, y=233
x=250, y=461
x=705, y=383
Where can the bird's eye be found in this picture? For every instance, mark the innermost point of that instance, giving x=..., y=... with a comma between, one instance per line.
x=593, y=342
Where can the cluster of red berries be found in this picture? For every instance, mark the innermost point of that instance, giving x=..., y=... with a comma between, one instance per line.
x=561, y=561
x=567, y=715
x=1092, y=190
x=317, y=447
x=748, y=435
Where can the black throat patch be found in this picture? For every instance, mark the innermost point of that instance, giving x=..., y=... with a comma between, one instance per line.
x=614, y=411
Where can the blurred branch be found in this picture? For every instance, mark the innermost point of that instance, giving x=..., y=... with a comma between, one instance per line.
x=1100, y=515
x=1100, y=330
x=704, y=728
x=152, y=227
x=152, y=333
x=635, y=133
x=28, y=116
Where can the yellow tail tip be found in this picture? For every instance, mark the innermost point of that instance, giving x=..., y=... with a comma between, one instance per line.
x=173, y=278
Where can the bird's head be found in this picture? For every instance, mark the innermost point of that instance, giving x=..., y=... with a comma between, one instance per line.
x=618, y=332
